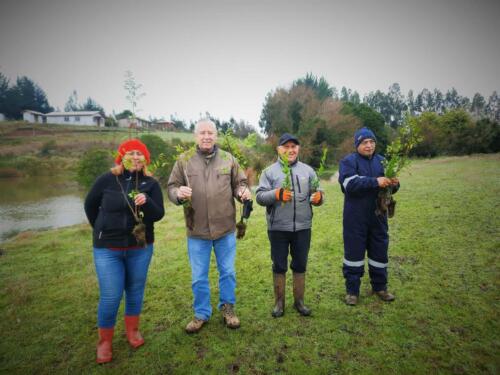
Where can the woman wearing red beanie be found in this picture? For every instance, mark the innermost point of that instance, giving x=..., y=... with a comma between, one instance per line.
x=122, y=207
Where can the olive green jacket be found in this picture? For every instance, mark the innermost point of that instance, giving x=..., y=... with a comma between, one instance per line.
x=215, y=183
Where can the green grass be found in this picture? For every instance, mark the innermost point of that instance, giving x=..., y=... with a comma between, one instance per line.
x=444, y=257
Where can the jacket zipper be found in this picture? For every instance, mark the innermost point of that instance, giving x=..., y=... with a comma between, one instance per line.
x=293, y=188
x=298, y=183
x=370, y=166
x=125, y=204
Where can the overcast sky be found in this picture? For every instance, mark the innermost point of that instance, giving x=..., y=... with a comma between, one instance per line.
x=225, y=56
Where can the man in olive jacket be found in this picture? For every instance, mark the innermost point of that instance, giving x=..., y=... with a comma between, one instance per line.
x=206, y=183
x=289, y=220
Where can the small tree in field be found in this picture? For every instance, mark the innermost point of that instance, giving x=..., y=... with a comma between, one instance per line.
x=134, y=93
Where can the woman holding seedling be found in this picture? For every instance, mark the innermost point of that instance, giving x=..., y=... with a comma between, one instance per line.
x=287, y=188
x=122, y=207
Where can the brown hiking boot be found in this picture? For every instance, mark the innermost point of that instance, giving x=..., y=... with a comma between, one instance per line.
x=351, y=300
x=195, y=325
x=230, y=318
x=299, y=286
x=279, y=280
x=384, y=295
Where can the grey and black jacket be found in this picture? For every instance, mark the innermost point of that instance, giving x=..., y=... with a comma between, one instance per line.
x=294, y=215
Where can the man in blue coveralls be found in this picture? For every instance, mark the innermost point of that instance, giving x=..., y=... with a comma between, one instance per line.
x=361, y=177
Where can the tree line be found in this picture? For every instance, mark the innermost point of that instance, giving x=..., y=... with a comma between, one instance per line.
x=23, y=94
x=321, y=116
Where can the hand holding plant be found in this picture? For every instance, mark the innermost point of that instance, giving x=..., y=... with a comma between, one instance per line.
x=396, y=159
x=285, y=193
x=183, y=157
x=315, y=183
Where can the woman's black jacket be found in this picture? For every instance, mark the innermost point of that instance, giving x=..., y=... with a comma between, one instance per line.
x=110, y=215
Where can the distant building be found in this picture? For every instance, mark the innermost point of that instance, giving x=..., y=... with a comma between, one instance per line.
x=2, y=117
x=76, y=118
x=88, y=118
x=134, y=123
x=164, y=125
x=33, y=116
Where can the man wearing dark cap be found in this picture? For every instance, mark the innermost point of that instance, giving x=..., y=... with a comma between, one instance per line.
x=361, y=176
x=289, y=219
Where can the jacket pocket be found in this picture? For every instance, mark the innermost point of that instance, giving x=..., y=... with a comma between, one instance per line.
x=224, y=180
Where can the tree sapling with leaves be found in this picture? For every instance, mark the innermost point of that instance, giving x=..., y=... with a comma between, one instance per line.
x=396, y=159
x=183, y=156
x=231, y=144
x=315, y=182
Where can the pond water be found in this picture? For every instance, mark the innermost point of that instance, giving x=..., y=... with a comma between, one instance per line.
x=39, y=203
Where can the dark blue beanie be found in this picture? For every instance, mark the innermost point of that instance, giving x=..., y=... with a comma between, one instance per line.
x=362, y=134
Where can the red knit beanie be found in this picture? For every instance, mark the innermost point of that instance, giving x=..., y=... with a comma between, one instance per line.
x=130, y=145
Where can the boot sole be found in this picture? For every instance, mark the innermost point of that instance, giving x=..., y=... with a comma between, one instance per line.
x=137, y=345
x=302, y=313
x=195, y=331
x=104, y=360
x=228, y=326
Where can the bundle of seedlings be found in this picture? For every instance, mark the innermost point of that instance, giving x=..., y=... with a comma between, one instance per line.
x=183, y=156
x=397, y=157
x=139, y=230
x=231, y=144
x=315, y=182
x=286, y=184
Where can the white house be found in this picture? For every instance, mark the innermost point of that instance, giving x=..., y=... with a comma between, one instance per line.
x=2, y=117
x=75, y=118
x=33, y=116
x=134, y=123
x=64, y=118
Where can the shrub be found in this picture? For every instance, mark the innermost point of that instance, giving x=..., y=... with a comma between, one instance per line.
x=93, y=163
x=155, y=145
x=162, y=156
x=48, y=148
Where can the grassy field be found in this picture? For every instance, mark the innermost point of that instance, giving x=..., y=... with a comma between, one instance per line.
x=444, y=271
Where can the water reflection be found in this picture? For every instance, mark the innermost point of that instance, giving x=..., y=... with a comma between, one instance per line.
x=38, y=203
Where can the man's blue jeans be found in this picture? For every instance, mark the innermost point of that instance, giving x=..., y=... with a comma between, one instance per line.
x=119, y=271
x=199, y=251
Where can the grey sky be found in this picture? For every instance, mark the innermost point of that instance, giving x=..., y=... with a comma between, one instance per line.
x=225, y=56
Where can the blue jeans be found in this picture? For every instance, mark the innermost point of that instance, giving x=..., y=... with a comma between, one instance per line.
x=199, y=251
x=119, y=271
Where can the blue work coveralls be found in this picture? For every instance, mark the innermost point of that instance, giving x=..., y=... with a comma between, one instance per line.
x=363, y=230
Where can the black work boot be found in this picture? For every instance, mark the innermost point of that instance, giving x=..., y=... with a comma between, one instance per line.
x=299, y=286
x=279, y=281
